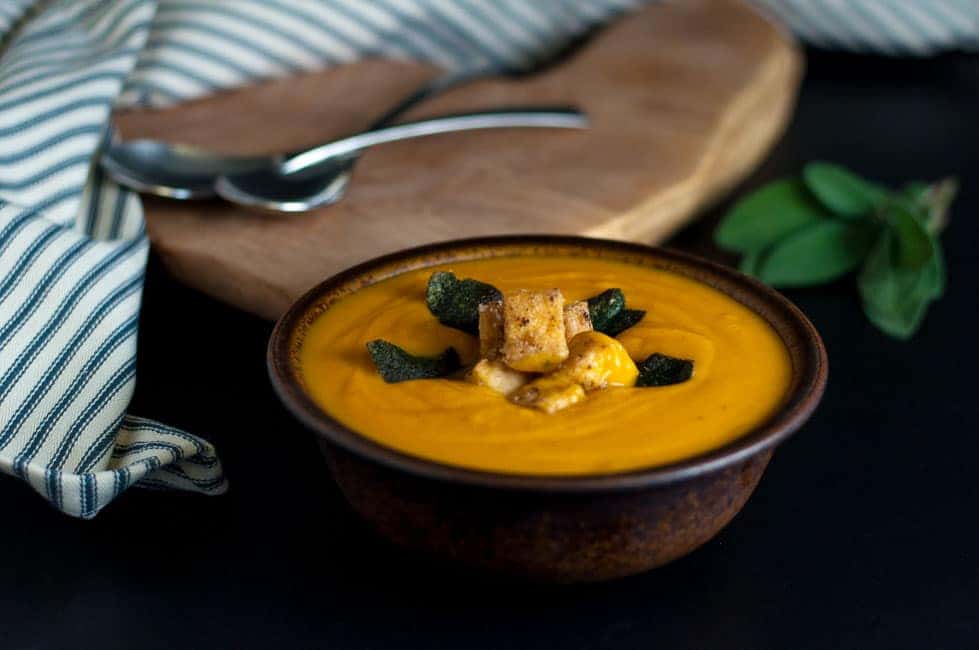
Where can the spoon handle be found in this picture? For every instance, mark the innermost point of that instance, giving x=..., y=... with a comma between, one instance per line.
x=551, y=117
x=429, y=89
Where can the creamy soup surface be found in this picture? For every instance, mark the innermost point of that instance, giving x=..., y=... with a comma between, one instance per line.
x=741, y=374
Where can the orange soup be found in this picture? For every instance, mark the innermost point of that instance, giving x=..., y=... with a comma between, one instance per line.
x=741, y=374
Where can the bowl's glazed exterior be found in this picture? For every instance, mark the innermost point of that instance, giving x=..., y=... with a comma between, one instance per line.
x=560, y=529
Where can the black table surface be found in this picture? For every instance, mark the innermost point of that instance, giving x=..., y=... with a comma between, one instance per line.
x=864, y=532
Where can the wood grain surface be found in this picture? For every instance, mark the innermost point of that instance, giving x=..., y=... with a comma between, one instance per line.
x=685, y=98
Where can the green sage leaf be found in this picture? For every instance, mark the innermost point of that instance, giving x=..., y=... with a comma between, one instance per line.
x=396, y=365
x=750, y=263
x=455, y=303
x=604, y=307
x=931, y=202
x=662, y=370
x=767, y=215
x=818, y=253
x=843, y=192
x=622, y=321
x=895, y=296
x=939, y=200
x=609, y=315
x=801, y=232
x=914, y=242
x=934, y=270
x=917, y=193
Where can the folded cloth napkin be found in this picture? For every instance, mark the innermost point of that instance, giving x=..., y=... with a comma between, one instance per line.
x=72, y=253
x=72, y=243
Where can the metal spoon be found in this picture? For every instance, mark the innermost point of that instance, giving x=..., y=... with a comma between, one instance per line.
x=176, y=171
x=180, y=171
x=319, y=176
x=327, y=182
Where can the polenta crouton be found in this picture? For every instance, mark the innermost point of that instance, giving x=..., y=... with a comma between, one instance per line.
x=491, y=329
x=533, y=330
x=548, y=395
x=596, y=361
x=576, y=319
x=497, y=376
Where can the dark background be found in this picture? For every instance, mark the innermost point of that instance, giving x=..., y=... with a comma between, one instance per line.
x=864, y=533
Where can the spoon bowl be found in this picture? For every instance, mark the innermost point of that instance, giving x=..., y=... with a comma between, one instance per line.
x=176, y=171
x=266, y=190
x=185, y=172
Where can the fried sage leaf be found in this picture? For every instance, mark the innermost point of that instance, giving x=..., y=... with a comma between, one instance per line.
x=609, y=315
x=455, y=303
x=604, y=307
x=622, y=321
x=395, y=364
x=662, y=370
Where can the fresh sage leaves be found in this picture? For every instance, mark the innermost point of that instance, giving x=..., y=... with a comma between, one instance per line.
x=768, y=215
x=829, y=222
x=896, y=295
x=842, y=192
x=819, y=253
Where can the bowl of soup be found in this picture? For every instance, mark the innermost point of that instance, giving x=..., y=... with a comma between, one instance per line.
x=630, y=474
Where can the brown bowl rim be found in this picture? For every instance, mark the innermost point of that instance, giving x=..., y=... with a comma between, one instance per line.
x=809, y=382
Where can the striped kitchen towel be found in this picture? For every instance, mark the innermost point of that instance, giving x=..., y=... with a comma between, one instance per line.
x=72, y=254
x=893, y=27
x=72, y=244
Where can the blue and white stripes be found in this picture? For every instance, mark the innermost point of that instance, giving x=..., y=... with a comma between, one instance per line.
x=59, y=75
x=893, y=27
x=72, y=243
x=199, y=46
x=72, y=254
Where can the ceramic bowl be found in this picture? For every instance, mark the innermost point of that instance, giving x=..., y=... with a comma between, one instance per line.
x=547, y=528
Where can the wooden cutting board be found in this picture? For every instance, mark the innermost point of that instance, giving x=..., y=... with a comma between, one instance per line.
x=685, y=98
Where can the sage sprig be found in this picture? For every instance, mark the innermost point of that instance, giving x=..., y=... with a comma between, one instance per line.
x=812, y=229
